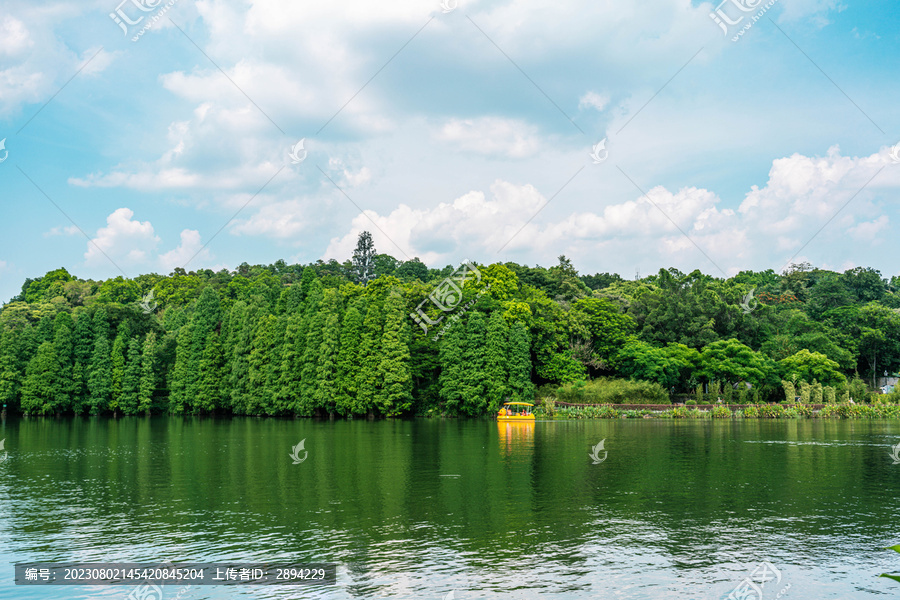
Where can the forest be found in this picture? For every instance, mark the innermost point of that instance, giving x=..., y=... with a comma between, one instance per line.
x=378, y=337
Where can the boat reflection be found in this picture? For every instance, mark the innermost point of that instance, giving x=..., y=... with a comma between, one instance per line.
x=516, y=437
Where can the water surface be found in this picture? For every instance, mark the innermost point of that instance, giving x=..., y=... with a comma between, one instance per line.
x=416, y=509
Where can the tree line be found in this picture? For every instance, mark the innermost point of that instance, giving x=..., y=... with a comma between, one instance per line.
x=379, y=337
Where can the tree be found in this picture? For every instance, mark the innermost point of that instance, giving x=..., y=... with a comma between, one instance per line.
x=367, y=382
x=809, y=366
x=731, y=361
x=496, y=361
x=363, y=258
x=148, y=374
x=395, y=394
x=348, y=359
x=327, y=376
x=474, y=374
x=211, y=391
x=119, y=349
x=451, y=356
x=100, y=378
x=39, y=390
x=131, y=379
x=520, y=386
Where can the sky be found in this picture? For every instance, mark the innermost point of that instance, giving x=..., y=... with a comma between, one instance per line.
x=630, y=136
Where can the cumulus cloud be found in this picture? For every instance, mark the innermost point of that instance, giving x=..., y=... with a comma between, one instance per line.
x=593, y=100
x=123, y=240
x=190, y=249
x=800, y=196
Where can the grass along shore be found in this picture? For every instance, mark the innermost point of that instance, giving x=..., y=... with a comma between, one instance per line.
x=550, y=409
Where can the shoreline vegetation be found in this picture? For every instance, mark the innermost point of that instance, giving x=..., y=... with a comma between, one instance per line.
x=553, y=410
x=376, y=337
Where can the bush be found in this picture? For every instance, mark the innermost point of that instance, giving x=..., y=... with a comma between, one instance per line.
x=720, y=412
x=771, y=411
x=546, y=408
x=751, y=412
x=690, y=402
x=606, y=390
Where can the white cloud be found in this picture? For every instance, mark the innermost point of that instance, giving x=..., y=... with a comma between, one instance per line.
x=492, y=136
x=190, y=249
x=280, y=220
x=123, y=241
x=801, y=195
x=59, y=230
x=593, y=100
x=14, y=36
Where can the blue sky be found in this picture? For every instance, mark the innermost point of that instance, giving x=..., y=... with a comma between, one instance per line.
x=450, y=130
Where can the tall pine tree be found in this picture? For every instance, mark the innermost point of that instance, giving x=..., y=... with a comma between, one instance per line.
x=395, y=395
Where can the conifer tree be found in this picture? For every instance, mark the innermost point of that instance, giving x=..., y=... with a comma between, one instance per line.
x=395, y=394
x=84, y=343
x=210, y=395
x=451, y=357
x=474, y=374
x=131, y=379
x=262, y=372
x=351, y=331
x=119, y=350
x=63, y=346
x=496, y=361
x=184, y=372
x=520, y=385
x=241, y=341
x=315, y=322
x=327, y=383
x=367, y=383
x=100, y=377
x=148, y=373
x=39, y=391
x=291, y=365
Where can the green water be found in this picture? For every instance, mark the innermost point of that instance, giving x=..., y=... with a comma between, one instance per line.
x=416, y=509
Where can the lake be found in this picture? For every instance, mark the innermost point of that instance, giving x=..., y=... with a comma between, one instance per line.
x=419, y=509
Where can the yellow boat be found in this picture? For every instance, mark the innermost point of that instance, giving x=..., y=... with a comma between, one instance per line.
x=515, y=411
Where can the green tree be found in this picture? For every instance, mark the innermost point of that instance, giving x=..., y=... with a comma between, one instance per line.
x=810, y=366
x=100, y=377
x=347, y=361
x=119, y=350
x=131, y=379
x=731, y=361
x=148, y=373
x=520, y=385
x=364, y=258
x=211, y=392
x=40, y=388
x=451, y=357
x=327, y=376
x=367, y=382
x=395, y=394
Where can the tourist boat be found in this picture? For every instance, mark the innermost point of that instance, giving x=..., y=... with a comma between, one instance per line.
x=515, y=411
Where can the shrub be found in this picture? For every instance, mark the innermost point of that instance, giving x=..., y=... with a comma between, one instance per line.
x=720, y=412
x=804, y=392
x=690, y=403
x=857, y=389
x=771, y=411
x=790, y=392
x=751, y=412
x=829, y=394
x=606, y=390
x=698, y=393
x=546, y=408
x=816, y=394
